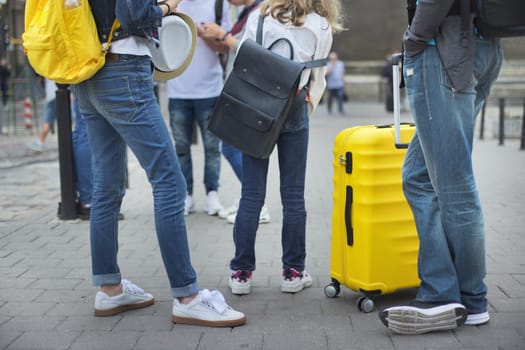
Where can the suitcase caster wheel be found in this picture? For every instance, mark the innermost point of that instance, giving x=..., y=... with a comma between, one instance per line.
x=332, y=290
x=365, y=304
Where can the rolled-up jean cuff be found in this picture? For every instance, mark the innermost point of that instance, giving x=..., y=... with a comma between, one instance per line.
x=182, y=292
x=104, y=280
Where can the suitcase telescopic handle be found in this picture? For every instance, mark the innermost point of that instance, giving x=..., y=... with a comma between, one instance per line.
x=397, y=59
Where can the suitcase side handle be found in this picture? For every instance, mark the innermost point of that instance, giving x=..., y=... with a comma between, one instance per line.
x=397, y=60
x=348, y=215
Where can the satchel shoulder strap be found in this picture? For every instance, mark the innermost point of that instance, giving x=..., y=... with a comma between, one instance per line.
x=308, y=64
x=218, y=11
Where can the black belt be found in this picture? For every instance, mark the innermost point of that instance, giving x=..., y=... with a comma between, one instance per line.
x=112, y=57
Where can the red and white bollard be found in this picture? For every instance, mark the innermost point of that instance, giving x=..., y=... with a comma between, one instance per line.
x=28, y=113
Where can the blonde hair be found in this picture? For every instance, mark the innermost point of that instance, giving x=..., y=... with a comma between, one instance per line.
x=295, y=11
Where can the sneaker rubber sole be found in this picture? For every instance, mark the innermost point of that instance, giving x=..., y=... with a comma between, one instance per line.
x=296, y=285
x=122, y=308
x=206, y=323
x=477, y=319
x=238, y=288
x=414, y=320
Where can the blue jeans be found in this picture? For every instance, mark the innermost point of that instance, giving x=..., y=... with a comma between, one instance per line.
x=438, y=178
x=82, y=158
x=120, y=109
x=339, y=95
x=234, y=157
x=50, y=114
x=183, y=113
x=292, y=147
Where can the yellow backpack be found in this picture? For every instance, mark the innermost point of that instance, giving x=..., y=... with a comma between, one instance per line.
x=61, y=40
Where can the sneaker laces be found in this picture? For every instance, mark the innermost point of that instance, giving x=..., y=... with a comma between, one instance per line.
x=131, y=288
x=213, y=300
x=242, y=276
x=291, y=273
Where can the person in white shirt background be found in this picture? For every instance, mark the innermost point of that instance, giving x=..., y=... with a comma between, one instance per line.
x=213, y=31
x=192, y=96
x=335, y=83
x=49, y=117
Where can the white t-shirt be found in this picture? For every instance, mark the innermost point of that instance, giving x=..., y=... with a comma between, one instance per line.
x=204, y=77
x=132, y=45
x=51, y=89
x=311, y=41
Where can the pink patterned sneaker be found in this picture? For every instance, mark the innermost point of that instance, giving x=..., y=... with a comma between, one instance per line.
x=295, y=281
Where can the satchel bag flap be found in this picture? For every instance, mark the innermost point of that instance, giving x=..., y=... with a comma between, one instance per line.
x=238, y=124
x=243, y=113
x=502, y=13
x=268, y=71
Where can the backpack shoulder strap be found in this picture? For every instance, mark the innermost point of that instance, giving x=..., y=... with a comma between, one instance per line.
x=218, y=11
x=258, y=37
x=308, y=64
x=316, y=63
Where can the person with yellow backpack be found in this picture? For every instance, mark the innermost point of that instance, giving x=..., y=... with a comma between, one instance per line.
x=120, y=109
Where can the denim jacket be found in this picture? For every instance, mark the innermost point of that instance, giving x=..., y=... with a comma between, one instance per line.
x=432, y=21
x=136, y=17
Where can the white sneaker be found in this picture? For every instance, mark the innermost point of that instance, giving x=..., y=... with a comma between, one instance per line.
x=420, y=317
x=240, y=282
x=132, y=297
x=477, y=319
x=213, y=205
x=207, y=309
x=231, y=218
x=224, y=213
x=36, y=146
x=295, y=281
x=264, y=216
x=189, y=205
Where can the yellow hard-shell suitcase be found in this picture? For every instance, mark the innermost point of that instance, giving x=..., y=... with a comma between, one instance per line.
x=374, y=238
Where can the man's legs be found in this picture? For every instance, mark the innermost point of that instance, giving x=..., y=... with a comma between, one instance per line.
x=182, y=115
x=341, y=100
x=212, y=144
x=331, y=95
x=439, y=184
x=212, y=154
x=82, y=160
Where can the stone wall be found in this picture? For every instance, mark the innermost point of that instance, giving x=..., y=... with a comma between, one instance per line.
x=375, y=28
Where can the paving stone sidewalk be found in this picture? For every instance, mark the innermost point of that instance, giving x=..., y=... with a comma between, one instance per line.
x=46, y=296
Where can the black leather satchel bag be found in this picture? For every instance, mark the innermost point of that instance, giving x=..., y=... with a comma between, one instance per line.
x=257, y=97
x=500, y=18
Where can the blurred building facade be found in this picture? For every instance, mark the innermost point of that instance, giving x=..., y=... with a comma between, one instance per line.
x=375, y=28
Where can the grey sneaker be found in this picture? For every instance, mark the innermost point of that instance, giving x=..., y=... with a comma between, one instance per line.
x=132, y=297
x=419, y=317
x=207, y=309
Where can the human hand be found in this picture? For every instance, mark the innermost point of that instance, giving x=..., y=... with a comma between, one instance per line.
x=211, y=31
x=210, y=36
x=412, y=44
x=168, y=6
